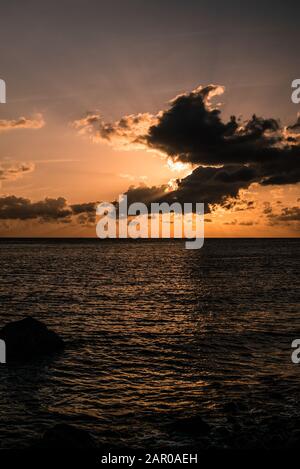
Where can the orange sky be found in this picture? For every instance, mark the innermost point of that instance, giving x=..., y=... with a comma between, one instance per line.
x=73, y=166
x=56, y=70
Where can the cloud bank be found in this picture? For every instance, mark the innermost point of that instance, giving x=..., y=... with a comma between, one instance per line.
x=47, y=210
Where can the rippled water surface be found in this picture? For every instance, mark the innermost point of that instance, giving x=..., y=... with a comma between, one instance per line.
x=154, y=333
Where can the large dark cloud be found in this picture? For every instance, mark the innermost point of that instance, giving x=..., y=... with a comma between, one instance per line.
x=228, y=155
x=47, y=210
x=192, y=131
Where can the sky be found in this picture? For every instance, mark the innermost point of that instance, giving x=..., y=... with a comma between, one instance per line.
x=89, y=112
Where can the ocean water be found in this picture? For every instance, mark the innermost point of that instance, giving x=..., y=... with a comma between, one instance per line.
x=155, y=333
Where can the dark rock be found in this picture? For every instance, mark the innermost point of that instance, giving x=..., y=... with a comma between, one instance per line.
x=64, y=436
x=193, y=425
x=29, y=338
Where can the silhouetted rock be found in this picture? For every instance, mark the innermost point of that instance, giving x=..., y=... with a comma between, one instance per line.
x=194, y=425
x=64, y=436
x=29, y=338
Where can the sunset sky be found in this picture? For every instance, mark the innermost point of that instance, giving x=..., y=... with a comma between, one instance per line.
x=89, y=112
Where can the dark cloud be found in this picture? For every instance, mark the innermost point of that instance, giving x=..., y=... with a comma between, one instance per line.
x=287, y=215
x=267, y=208
x=231, y=223
x=47, y=210
x=211, y=185
x=145, y=194
x=86, y=212
x=247, y=223
x=228, y=156
x=192, y=131
x=295, y=127
x=19, y=208
x=239, y=205
x=242, y=223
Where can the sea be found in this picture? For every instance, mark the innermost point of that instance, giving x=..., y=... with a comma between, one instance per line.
x=155, y=335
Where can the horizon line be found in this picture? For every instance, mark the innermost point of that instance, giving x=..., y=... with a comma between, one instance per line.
x=88, y=238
